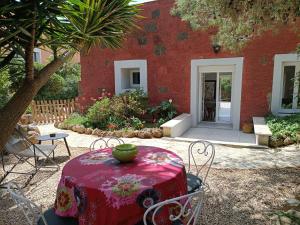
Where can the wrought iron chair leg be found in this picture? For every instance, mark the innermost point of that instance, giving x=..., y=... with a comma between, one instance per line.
x=29, y=179
x=7, y=172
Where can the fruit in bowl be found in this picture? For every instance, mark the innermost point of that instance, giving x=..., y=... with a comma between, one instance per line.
x=125, y=152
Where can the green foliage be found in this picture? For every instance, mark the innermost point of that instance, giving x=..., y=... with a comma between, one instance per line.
x=99, y=113
x=226, y=85
x=76, y=119
x=237, y=21
x=65, y=27
x=71, y=24
x=136, y=123
x=53, y=87
x=117, y=111
x=133, y=103
x=115, y=123
x=164, y=112
x=125, y=111
x=4, y=87
x=63, y=84
x=282, y=127
x=167, y=110
x=161, y=121
x=16, y=73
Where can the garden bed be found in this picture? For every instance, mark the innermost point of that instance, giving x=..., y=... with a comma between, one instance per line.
x=285, y=130
x=126, y=115
x=126, y=133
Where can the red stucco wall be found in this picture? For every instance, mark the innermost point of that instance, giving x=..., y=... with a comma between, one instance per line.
x=169, y=73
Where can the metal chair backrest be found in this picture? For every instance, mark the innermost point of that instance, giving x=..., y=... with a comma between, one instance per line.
x=201, y=156
x=12, y=145
x=30, y=210
x=102, y=143
x=181, y=210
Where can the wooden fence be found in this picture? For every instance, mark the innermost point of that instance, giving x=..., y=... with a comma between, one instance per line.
x=50, y=111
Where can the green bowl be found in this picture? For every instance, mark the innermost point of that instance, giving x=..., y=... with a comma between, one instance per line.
x=125, y=147
x=125, y=152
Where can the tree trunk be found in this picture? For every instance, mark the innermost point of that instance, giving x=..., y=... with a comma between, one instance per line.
x=14, y=109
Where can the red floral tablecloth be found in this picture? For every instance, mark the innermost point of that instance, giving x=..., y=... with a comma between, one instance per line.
x=100, y=190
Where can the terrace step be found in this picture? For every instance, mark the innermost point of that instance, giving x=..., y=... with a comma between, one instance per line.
x=261, y=130
x=177, y=126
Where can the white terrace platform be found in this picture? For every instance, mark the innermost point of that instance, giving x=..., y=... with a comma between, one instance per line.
x=219, y=136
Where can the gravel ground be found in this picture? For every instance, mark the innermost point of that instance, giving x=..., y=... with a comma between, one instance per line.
x=237, y=197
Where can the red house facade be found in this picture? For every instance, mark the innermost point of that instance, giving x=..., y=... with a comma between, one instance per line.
x=170, y=61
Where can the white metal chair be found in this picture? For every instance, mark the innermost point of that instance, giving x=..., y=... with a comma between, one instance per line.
x=109, y=142
x=201, y=156
x=23, y=150
x=183, y=210
x=33, y=213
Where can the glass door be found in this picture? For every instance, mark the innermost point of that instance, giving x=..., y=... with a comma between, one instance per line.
x=290, y=94
x=224, y=97
x=209, y=96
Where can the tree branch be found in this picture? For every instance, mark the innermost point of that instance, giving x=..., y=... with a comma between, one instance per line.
x=29, y=49
x=44, y=74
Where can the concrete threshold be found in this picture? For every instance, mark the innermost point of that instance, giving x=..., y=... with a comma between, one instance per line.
x=224, y=143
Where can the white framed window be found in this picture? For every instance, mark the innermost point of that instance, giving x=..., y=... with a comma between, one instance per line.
x=286, y=85
x=135, y=78
x=37, y=55
x=130, y=75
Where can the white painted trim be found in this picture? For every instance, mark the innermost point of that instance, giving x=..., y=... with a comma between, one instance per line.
x=39, y=52
x=128, y=64
x=195, y=107
x=279, y=60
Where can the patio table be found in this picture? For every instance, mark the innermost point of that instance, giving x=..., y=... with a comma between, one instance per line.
x=99, y=190
x=57, y=136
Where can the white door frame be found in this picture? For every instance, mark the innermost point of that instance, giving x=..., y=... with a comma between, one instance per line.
x=196, y=89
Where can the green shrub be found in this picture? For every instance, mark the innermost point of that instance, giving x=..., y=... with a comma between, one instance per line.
x=167, y=109
x=163, y=112
x=117, y=112
x=133, y=103
x=76, y=119
x=115, y=123
x=136, y=123
x=17, y=73
x=282, y=127
x=161, y=121
x=99, y=113
x=61, y=85
x=4, y=87
x=53, y=87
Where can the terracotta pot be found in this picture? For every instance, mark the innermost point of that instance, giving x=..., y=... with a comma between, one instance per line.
x=248, y=128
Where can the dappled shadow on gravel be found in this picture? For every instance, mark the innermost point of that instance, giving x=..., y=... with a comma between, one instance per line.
x=242, y=197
